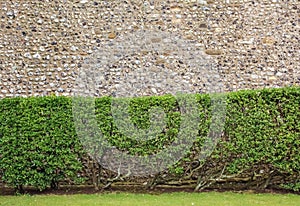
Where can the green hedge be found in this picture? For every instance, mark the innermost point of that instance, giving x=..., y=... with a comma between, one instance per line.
x=264, y=126
x=39, y=145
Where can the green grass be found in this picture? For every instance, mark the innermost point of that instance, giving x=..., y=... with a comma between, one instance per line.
x=170, y=199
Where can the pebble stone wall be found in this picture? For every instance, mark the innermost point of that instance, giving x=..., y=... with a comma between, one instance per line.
x=44, y=43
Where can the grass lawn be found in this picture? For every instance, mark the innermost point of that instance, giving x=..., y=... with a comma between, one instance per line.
x=167, y=199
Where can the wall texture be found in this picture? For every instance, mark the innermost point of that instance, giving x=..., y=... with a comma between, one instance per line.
x=43, y=44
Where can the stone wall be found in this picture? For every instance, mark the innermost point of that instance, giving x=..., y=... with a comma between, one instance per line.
x=44, y=44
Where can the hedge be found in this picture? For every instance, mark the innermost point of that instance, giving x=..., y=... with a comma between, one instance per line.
x=40, y=146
